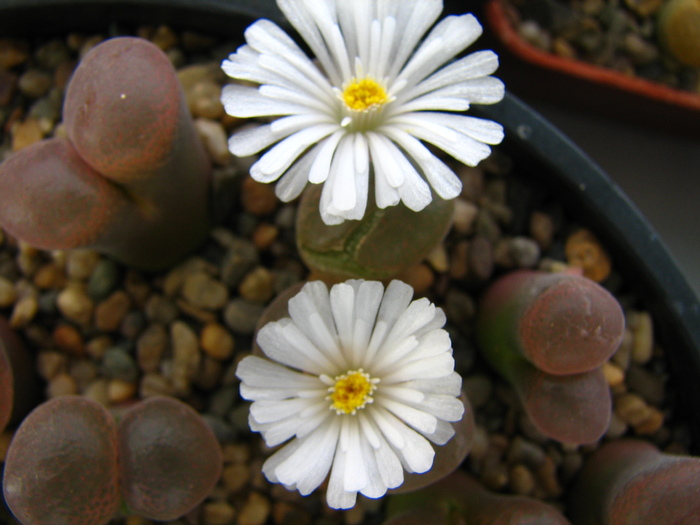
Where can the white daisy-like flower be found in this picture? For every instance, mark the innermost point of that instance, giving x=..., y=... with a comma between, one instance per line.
x=377, y=92
x=358, y=382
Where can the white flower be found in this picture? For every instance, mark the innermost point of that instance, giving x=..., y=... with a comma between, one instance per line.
x=376, y=93
x=357, y=380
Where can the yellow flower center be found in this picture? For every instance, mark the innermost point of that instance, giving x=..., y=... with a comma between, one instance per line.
x=352, y=391
x=364, y=94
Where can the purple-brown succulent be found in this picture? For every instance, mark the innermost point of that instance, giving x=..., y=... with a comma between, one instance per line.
x=131, y=180
x=18, y=380
x=70, y=462
x=631, y=482
x=548, y=335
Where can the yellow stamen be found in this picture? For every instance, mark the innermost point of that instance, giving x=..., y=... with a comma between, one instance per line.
x=352, y=391
x=364, y=94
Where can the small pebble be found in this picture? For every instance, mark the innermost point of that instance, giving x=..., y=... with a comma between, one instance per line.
x=203, y=291
x=98, y=391
x=110, y=313
x=160, y=309
x=24, y=311
x=420, y=277
x=81, y=263
x=68, y=338
x=8, y=295
x=13, y=52
x=632, y=409
x=150, y=347
x=651, y=424
x=643, y=343
x=62, y=384
x=255, y=510
x=215, y=140
x=49, y=276
x=257, y=198
x=75, y=304
x=26, y=133
x=50, y=363
x=218, y=513
x=120, y=391
x=584, y=251
x=216, y=341
x=465, y=213
x=153, y=384
x=614, y=375
x=235, y=476
x=35, y=83
x=186, y=356
x=241, y=258
x=264, y=235
x=104, y=279
x=242, y=316
x=542, y=229
x=521, y=480
x=119, y=364
x=257, y=286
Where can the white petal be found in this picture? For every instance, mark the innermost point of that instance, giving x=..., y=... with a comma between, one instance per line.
x=418, y=419
x=271, y=411
x=321, y=166
x=389, y=465
x=479, y=129
x=258, y=372
x=293, y=182
x=474, y=66
x=273, y=163
x=443, y=433
x=432, y=367
x=396, y=299
x=375, y=486
x=311, y=311
x=355, y=472
x=300, y=17
x=448, y=38
x=343, y=308
x=308, y=465
x=284, y=342
x=336, y=495
x=413, y=20
x=449, y=385
x=442, y=179
x=244, y=102
x=463, y=148
x=414, y=450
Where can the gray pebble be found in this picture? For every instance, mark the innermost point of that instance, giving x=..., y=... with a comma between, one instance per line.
x=242, y=316
x=104, y=279
x=117, y=363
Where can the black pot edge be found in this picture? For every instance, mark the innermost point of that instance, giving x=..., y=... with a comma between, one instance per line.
x=634, y=245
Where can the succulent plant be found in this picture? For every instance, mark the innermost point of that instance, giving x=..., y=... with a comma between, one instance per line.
x=18, y=381
x=131, y=180
x=380, y=246
x=460, y=499
x=70, y=462
x=679, y=30
x=548, y=335
x=631, y=482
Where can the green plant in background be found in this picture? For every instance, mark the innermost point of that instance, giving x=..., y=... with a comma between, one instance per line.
x=548, y=335
x=70, y=462
x=628, y=482
x=132, y=179
x=460, y=499
x=679, y=30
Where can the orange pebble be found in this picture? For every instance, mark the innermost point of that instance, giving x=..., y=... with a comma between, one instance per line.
x=584, y=251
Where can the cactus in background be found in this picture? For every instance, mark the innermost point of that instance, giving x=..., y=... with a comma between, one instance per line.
x=69, y=462
x=19, y=391
x=132, y=180
x=548, y=335
x=631, y=482
x=384, y=243
x=460, y=499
